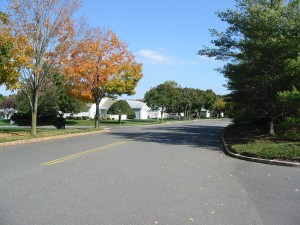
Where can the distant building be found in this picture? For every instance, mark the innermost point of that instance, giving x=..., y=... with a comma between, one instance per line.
x=205, y=113
x=140, y=109
x=156, y=114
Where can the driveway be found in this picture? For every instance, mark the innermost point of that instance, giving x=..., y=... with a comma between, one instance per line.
x=165, y=174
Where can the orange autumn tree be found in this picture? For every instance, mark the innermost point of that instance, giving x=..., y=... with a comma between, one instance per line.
x=101, y=66
x=14, y=51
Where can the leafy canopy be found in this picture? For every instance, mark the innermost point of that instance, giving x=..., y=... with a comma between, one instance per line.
x=101, y=66
x=120, y=107
x=14, y=53
x=262, y=42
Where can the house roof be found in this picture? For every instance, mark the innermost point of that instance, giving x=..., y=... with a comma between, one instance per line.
x=107, y=103
x=137, y=104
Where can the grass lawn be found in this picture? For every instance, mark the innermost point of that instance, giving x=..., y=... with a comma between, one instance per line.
x=254, y=142
x=74, y=122
x=14, y=134
x=115, y=122
x=4, y=122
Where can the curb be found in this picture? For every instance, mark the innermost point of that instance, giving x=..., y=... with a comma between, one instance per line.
x=228, y=152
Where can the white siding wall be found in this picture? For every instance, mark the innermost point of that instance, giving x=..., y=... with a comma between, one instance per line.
x=143, y=114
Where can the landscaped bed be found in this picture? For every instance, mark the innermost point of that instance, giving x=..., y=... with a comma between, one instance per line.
x=255, y=142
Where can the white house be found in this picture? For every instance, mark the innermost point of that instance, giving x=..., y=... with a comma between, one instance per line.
x=205, y=113
x=140, y=109
x=156, y=114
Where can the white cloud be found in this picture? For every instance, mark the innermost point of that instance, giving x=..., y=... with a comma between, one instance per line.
x=155, y=57
x=159, y=57
x=205, y=58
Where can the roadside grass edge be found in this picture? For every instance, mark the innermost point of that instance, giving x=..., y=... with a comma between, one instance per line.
x=277, y=152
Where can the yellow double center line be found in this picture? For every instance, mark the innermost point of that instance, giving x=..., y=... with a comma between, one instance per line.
x=59, y=160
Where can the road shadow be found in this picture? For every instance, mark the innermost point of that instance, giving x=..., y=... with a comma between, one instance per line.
x=198, y=136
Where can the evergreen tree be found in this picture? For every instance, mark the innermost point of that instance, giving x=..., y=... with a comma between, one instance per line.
x=261, y=42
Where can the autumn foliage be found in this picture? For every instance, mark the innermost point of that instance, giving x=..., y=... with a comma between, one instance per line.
x=39, y=38
x=101, y=66
x=14, y=53
x=40, y=32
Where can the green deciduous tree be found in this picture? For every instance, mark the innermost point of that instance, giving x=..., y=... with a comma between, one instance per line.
x=163, y=97
x=120, y=108
x=209, y=99
x=171, y=97
x=54, y=99
x=262, y=41
x=219, y=106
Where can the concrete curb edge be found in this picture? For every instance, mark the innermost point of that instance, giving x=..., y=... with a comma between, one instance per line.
x=228, y=152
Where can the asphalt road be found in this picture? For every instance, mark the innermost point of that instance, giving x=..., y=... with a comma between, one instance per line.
x=173, y=174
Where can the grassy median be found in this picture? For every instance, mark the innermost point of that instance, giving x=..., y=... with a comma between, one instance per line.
x=15, y=134
x=255, y=142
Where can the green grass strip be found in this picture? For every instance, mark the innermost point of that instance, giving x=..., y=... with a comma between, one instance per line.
x=270, y=150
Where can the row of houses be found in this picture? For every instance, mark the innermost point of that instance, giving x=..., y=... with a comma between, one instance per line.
x=141, y=110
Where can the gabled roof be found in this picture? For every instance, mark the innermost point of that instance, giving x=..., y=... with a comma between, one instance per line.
x=107, y=102
x=137, y=104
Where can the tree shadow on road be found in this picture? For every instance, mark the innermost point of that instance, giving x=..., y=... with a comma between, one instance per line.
x=208, y=137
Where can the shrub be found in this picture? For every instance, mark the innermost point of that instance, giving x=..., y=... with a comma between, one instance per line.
x=289, y=128
x=22, y=119
x=131, y=116
x=60, y=123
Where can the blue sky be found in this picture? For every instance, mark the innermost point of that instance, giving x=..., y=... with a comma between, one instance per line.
x=165, y=36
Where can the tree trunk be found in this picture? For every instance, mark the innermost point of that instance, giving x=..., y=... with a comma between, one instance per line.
x=120, y=119
x=34, y=101
x=271, y=128
x=97, y=101
x=161, y=115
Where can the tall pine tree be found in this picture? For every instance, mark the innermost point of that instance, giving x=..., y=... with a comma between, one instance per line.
x=261, y=41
